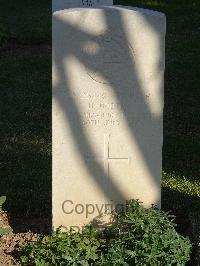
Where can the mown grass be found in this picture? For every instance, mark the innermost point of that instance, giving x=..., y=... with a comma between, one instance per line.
x=25, y=97
x=26, y=21
x=25, y=132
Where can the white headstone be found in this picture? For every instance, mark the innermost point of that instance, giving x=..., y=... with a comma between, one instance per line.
x=108, y=70
x=63, y=4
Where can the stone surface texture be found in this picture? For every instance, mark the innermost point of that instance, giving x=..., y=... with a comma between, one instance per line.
x=108, y=96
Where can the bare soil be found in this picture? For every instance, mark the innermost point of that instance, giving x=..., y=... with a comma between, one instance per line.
x=11, y=244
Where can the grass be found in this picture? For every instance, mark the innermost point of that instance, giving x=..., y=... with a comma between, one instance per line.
x=26, y=133
x=26, y=107
x=26, y=21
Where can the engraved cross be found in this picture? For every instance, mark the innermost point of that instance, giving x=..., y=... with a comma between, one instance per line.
x=107, y=159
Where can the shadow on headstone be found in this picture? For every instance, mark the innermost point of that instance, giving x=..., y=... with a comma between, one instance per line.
x=109, y=60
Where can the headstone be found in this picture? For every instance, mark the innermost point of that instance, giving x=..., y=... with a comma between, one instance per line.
x=108, y=75
x=63, y=4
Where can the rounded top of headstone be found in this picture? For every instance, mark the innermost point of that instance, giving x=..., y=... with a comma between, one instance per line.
x=143, y=11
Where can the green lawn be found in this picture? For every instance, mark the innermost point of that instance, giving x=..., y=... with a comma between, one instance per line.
x=26, y=21
x=25, y=97
x=26, y=133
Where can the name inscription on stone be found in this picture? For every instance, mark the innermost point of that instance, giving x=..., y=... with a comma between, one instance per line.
x=99, y=109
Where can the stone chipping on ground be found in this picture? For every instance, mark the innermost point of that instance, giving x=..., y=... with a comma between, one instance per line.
x=11, y=244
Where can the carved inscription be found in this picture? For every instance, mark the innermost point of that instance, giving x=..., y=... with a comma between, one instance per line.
x=107, y=158
x=108, y=56
x=89, y=2
x=102, y=114
x=99, y=108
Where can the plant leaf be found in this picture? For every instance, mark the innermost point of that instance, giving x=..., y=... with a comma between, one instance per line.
x=5, y=230
x=2, y=201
